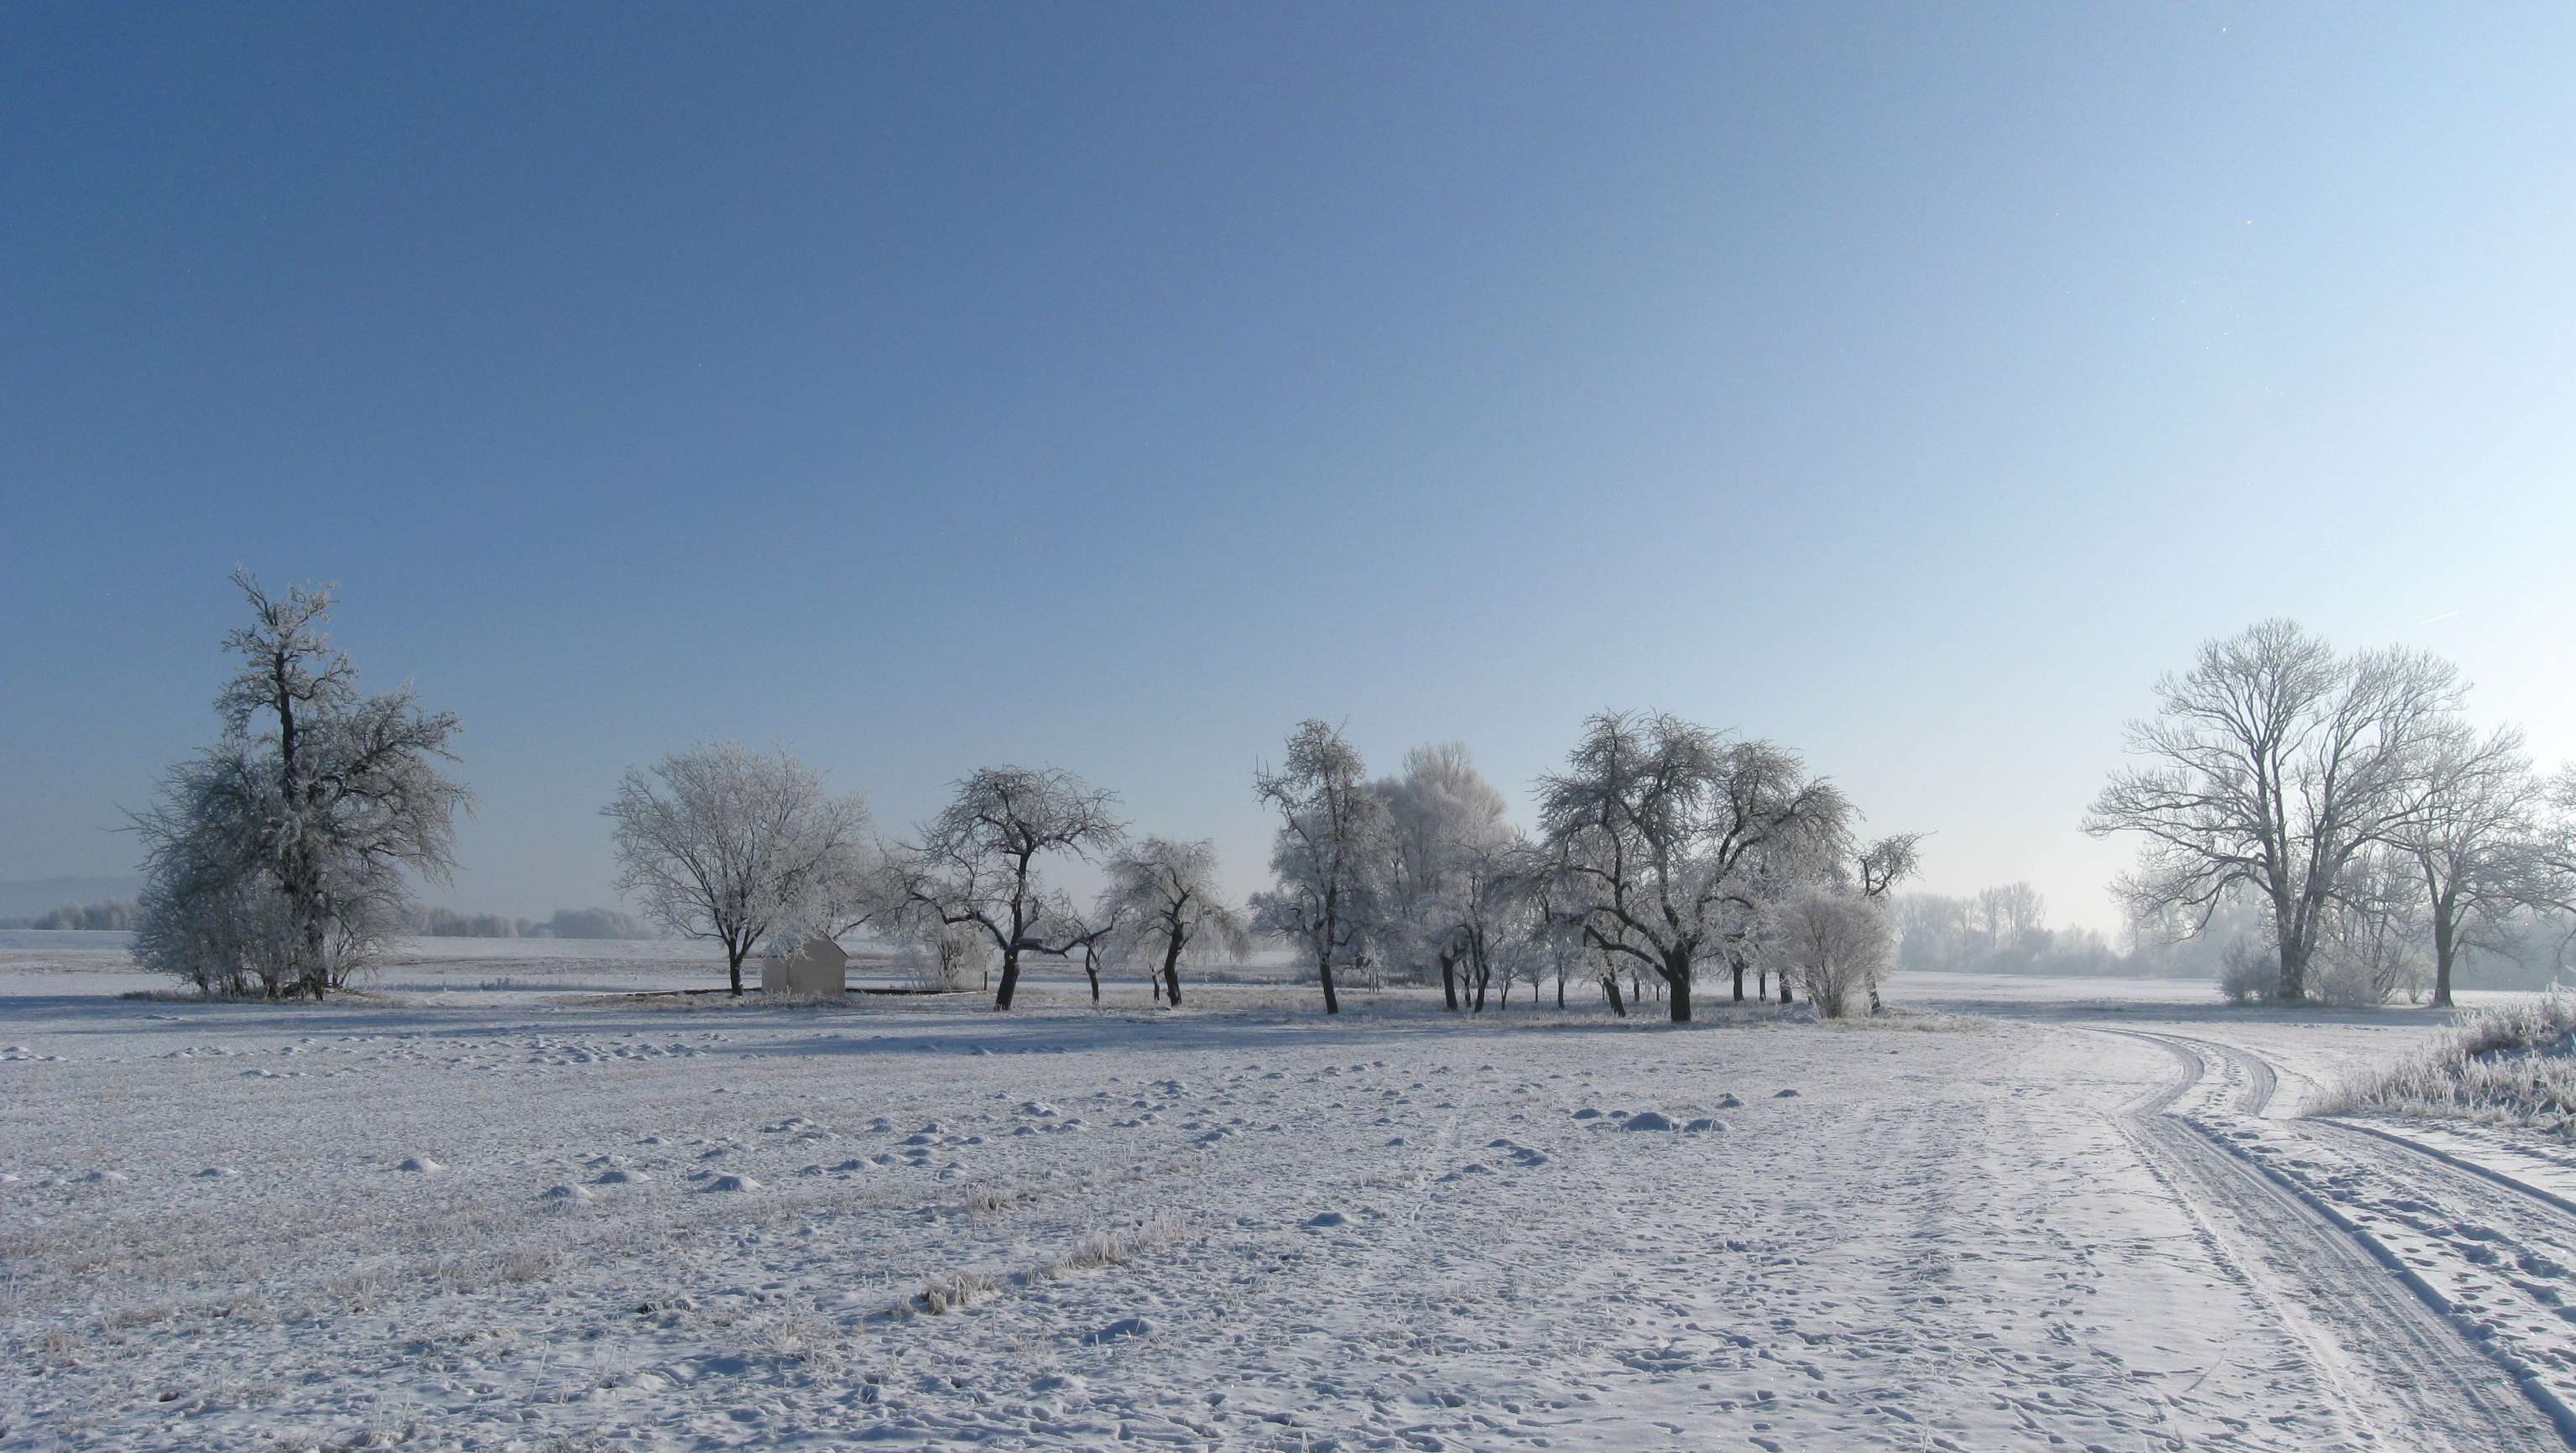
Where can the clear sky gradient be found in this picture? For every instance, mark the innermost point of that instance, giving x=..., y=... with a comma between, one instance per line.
x=921, y=387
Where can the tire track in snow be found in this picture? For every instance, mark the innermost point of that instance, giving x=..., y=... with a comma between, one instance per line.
x=2390, y=1343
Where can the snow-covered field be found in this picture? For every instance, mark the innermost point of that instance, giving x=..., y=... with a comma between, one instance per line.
x=496, y=1207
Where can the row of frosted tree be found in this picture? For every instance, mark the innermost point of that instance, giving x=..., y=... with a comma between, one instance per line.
x=279, y=859
x=1665, y=853
x=2335, y=817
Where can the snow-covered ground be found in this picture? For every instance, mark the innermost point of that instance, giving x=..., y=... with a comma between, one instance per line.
x=539, y=1216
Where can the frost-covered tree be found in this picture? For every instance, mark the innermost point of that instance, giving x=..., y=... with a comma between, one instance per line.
x=1331, y=844
x=1443, y=819
x=724, y=843
x=2270, y=764
x=1169, y=892
x=276, y=857
x=981, y=862
x=1835, y=943
x=1670, y=838
x=2469, y=839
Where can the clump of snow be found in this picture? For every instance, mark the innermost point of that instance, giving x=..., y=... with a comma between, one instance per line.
x=420, y=1165
x=1122, y=1328
x=730, y=1183
x=1784, y=1095
x=1326, y=1220
x=1649, y=1120
x=1705, y=1125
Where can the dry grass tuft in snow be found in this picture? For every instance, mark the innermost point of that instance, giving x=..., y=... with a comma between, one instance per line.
x=2513, y=1064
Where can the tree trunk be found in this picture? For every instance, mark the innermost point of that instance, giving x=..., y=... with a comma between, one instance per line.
x=733, y=966
x=1449, y=979
x=1737, y=965
x=1172, y=971
x=1091, y=971
x=1610, y=986
x=1010, y=978
x=1560, y=988
x=1762, y=982
x=2444, y=946
x=1677, y=978
x=1483, y=980
x=1784, y=986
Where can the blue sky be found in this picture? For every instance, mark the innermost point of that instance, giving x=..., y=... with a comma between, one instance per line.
x=1112, y=386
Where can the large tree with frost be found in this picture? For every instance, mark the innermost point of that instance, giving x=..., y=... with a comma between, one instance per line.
x=721, y=842
x=276, y=858
x=1327, y=855
x=1168, y=895
x=2269, y=765
x=1670, y=838
x=981, y=863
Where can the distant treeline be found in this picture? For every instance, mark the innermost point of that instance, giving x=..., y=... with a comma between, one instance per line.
x=116, y=916
x=2004, y=931
x=567, y=923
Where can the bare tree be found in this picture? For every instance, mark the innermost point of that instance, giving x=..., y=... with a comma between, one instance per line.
x=1169, y=890
x=720, y=842
x=1833, y=941
x=2470, y=837
x=1666, y=831
x=979, y=861
x=1331, y=836
x=2270, y=763
x=278, y=854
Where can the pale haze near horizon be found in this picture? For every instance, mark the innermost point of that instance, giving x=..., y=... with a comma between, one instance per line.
x=921, y=390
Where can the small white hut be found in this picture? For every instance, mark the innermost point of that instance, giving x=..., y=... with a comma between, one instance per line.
x=815, y=969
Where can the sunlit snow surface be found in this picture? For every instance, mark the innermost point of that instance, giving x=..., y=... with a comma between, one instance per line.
x=497, y=1207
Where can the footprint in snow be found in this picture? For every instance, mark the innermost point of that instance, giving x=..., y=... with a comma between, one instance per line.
x=217, y=1173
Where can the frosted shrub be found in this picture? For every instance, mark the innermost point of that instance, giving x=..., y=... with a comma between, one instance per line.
x=2515, y=1064
x=2248, y=974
